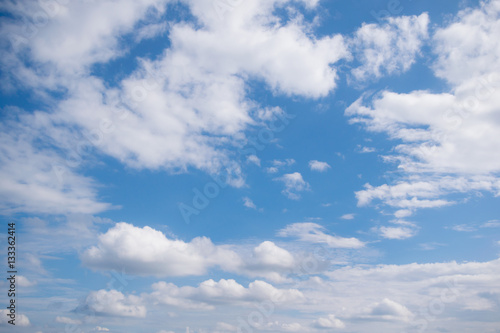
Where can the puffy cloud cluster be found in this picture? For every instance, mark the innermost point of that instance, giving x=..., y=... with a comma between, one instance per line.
x=389, y=48
x=145, y=251
x=446, y=141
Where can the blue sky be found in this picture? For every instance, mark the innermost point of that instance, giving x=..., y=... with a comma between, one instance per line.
x=251, y=166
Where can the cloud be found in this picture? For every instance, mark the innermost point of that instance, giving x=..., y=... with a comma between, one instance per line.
x=254, y=159
x=491, y=224
x=180, y=110
x=101, y=329
x=38, y=180
x=113, y=303
x=424, y=192
x=23, y=281
x=247, y=202
x=389, y=48
x=330, y=322
x=294, y=183
x=389, y=310
x=348, y=216
x=318, y=166
x=21, y=319
x=66, y=320
x=210, y=293
x=366, y=150
x=313, y=233
x=396, y=232
x=146, y=251
x=463, y=228
x=446, y=141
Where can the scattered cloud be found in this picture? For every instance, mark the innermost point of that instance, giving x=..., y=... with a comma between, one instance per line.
x=463, y=228
x=348, y=216
x=114, y=303
x=315, y=165
x=396, y=232
x=390, y=47
x=314, y=233
x=247, y=202
x=294, y=184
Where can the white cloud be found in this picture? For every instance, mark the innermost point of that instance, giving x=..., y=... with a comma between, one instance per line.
x=348, y=216
x=210, y=293
x=145, y=251
x=178, y=111
x=247, y=202
x=38, y=180
x=388, y=48
x=101, y=329
x=254, y=159
x=463, y=228
x=491, y=224
x=23, y=281
x=66, y=320
x=313, y=233
x=388, y=310
x=447, y=141
x=330, y=322
x=424, y=192
x=396, y=232
x=269, y=254
x=319, y=166
x=294, y=183
x=366, y=150
x=114, y=303
x=20, y=320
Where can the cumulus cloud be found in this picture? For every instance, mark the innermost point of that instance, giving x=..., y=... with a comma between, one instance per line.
x=114, y=303
x=314, y=233
x=21, y=319
x=315, y=165
x=388, y=310
x=329, y=322
x=388, y=48
x=145, y=251
x=446, y=140
x=210, y=293
x=348, y=216
x=294, y=184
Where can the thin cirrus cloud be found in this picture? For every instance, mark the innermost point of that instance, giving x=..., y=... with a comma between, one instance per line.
x=314, y=233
